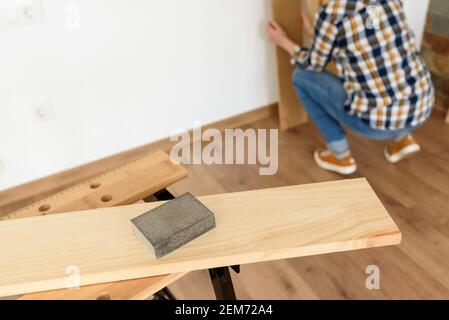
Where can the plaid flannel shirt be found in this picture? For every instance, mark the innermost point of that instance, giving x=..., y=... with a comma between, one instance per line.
x=388, y=84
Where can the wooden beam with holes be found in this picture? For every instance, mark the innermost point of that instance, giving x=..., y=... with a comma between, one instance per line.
x=252, y=226
x=121, y=186
x=124, y=185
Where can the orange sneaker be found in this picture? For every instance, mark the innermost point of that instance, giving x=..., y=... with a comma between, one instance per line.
x=328, y=161
x=402, y=149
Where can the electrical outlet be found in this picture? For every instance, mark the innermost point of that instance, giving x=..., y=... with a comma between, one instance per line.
x=41, y=111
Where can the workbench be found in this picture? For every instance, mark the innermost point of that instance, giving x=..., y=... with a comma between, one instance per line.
x=252, y=226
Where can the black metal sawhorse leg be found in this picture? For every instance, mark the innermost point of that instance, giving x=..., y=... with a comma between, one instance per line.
x=222, y=282
x=220, y=277
x=164, y=294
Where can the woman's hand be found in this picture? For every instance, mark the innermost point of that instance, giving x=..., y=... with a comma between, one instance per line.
x=277, y=35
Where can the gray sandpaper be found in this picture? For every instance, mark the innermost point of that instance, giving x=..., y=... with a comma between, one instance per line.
x=173, y=224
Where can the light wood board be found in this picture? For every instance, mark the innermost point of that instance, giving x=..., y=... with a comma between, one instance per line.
x=291, y=111
x=140, y=178
x=252, y=226
x=287, y=14
x=135, y=289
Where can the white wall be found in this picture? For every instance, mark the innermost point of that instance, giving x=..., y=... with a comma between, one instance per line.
x=135, y=71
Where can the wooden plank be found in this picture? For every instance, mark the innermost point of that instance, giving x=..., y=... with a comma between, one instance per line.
x=121, y=186
x=291, y=111
x=252, y=226
x=136, y=289
x=287, y=13
x=142, y=177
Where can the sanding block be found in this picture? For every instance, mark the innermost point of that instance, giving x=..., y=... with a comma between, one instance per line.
x=173, y=224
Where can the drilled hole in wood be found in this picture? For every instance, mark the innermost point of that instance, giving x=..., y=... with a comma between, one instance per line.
x=106, y=198
x=105, y=296
x=95, y=185
x=44, y=208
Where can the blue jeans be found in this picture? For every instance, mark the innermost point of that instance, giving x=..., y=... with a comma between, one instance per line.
x=324, y=96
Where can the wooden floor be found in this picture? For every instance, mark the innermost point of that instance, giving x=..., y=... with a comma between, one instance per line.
x=415, y=192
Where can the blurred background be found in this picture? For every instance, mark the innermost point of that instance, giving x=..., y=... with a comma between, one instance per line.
x=82, y=80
